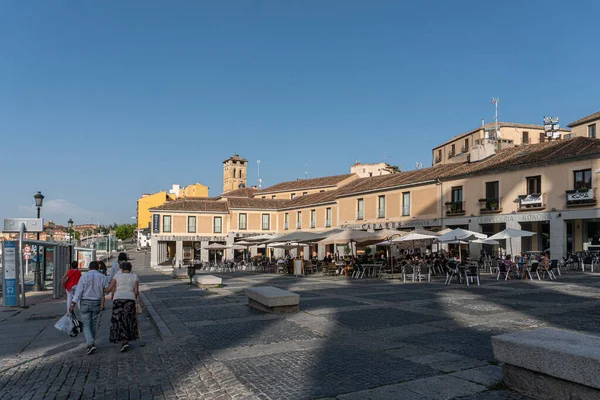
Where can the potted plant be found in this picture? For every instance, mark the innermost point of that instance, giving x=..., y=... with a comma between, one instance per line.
x=582, y=189
x=454, y=207
x=522, y=196
x=493, y=205
x=448, y=203
x=482, y=200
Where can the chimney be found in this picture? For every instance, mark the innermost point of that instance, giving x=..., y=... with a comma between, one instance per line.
x=482, y=123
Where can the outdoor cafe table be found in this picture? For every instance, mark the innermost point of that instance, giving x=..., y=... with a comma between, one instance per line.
x=370, y=269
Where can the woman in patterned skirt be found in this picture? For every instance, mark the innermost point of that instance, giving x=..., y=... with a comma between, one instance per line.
x=123, y=323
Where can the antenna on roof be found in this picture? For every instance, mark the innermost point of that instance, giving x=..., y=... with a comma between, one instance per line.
x=259, y=183
x=419, y=165
x=305, y=170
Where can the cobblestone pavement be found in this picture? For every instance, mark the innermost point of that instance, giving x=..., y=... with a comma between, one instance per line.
x=351, y=340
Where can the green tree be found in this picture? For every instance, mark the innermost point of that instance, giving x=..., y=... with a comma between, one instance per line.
x=125, y=231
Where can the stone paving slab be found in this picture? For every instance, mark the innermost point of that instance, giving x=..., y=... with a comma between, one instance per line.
x=447, y=362
x=378, y=318
x=249, y=333
x=488, y=375
x=320, y=373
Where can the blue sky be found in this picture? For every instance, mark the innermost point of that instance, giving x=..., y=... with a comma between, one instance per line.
x=103, y=101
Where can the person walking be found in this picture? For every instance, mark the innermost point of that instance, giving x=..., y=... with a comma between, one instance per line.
x=123, y=323
x=70, y=280
x=89, y=293
x=116, y=266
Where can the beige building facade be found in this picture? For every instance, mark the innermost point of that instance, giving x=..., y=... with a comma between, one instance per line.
x=548, y=188
x=504, y=135
x=586, y=126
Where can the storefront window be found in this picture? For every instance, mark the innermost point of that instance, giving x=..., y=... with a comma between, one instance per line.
x=583, y=179
x=217, y=225
x=242, y=221
x=166, y=223
x=191, y=224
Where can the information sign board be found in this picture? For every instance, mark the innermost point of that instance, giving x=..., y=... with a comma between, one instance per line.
x=10, y=274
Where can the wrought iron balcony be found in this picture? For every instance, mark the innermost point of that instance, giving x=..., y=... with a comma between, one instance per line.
x=581, y=197
x=490, y=205
x=455, y=208
x=533, y=201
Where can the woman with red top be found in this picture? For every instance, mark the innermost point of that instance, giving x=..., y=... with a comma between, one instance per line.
x=70, y=280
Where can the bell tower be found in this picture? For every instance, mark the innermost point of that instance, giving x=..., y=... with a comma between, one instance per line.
x=234, y=173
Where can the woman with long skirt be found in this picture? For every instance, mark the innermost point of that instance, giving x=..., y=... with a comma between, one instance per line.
x=123, y=323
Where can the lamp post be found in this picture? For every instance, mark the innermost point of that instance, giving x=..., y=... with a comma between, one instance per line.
x=70, y=225
x=39, y=200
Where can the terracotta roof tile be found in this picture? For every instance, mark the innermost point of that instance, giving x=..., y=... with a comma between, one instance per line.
x=518, y=156
x=193, y=204
x=523, y=156
x=236, y=157
x=306, y=184
x=313, y=199
x=583, y=120
x=241, y=192
x=257, y=204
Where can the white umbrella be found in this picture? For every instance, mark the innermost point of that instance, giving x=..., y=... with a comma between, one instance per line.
x=421, y=236
x=460, y=235
x=351, y=235
x=486, y=241
x=216, y=246
x=510, y=233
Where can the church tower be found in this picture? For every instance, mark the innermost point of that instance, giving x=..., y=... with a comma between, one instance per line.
x=234, y=173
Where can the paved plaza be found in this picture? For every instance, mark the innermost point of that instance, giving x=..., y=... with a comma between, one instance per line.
x=352, y=339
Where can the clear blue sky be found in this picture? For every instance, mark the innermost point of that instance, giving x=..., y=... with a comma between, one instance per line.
x=101, y=101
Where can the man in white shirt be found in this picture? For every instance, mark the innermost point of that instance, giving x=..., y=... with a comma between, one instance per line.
x=116, y=266
x=89, y=292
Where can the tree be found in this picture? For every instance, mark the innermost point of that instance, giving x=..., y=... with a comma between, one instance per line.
x=125, y=231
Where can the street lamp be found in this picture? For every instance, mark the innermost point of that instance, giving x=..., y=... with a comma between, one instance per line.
x=70, y=225
x=39, y=200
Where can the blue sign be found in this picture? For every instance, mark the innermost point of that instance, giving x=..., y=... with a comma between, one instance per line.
x=10, y=274
x=10, y=298
x=155, y=223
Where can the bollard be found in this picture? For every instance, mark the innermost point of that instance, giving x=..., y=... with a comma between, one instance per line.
x=191, y=272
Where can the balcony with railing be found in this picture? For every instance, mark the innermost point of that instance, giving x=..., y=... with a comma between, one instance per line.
x=581, y=197
x=360, y=214
x=491, y=205
x=438, y=159
x=464, y=149
x=531, y=202
x=451, y=154
x=454, y=208
x=381, y=213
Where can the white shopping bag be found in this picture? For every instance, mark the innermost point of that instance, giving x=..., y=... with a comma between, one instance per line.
x=64, y=324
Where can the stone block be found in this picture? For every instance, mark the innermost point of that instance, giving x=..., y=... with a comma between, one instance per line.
x=272, y=299
x=542, y=386
x=180, y=273
x=567, y=355
x=206, y=280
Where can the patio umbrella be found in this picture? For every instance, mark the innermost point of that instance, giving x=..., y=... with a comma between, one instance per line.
x=414, y=237
x=350, y=236
x=510, y=233
x=460, y=235
x=216, y=246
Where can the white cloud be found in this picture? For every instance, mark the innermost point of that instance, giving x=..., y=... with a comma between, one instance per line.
x=60, y=209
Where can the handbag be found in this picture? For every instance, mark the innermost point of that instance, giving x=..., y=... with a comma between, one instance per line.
x=76, y=324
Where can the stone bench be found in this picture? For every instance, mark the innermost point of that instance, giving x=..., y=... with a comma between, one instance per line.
x=272, y=299
x=180, y=273
x=206, y=280
x=550, y=363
